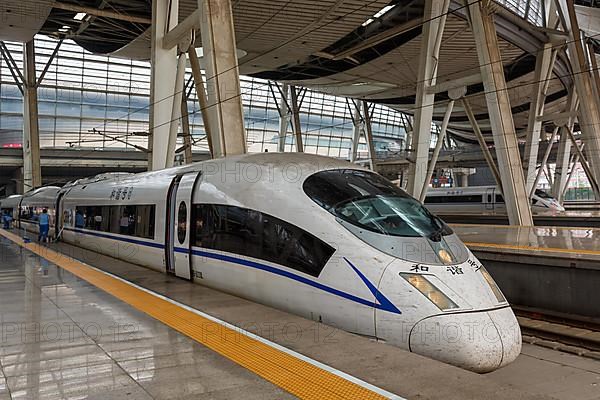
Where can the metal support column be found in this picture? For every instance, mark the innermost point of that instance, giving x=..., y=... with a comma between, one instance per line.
x=585, y=164
x=222, y=77
x=163, y=63
x=436, y=151
x=175, y=111
x=356, y=132
x=593, y=66
x=296, y=119
x=284, y=117
x=503, y=128
x=32, y=172
x=187, y=132
x=486, y=151
x=201, y=94
x=571, y=171
x=564, y=148
x=435, y=18
x=544, y=65
x=544, y=162
x=369, y=135
x=589, y=105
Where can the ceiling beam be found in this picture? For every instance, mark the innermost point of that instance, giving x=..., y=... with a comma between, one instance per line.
x=182, y=30
x=455, y=83
x=102, y=13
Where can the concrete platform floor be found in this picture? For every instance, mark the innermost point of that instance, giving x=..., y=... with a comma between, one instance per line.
x=64, y=338
x=575, y=243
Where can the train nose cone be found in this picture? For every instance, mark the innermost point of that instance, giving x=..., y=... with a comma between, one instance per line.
x=477, y=341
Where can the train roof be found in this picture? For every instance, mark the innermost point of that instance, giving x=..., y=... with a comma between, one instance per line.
x=45, y=196
x=306, y=163
x=42, y=189
x=11, y=201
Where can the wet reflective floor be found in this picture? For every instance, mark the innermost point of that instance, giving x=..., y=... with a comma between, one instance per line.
x=62, y=338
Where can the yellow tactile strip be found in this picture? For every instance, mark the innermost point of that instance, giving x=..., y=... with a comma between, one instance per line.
x=532, y=248
x=290, y=373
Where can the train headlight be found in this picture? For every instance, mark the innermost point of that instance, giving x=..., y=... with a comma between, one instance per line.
x=445, y=256
x=486, y=275
x=429, y=290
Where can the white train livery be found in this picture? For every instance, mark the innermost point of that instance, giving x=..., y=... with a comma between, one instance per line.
x=311, y=235
x=482, y=199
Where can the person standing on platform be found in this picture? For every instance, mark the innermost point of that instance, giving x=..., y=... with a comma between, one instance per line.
x=44, y=221
x=6, y=220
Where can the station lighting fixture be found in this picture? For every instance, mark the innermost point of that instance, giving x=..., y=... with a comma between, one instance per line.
x=378, y=14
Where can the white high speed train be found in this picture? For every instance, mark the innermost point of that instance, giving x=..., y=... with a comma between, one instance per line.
x=315, y=236
x=483, y=199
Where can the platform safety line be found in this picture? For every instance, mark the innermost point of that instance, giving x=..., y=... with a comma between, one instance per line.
x=532, y=248
x=297, y=374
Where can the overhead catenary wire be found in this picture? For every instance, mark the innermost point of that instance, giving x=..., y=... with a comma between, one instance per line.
x=265, y=84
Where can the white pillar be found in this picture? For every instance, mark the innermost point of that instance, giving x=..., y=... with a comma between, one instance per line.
x=163, y=64
x=584, y=163
x=284, y=117
x=356, y=130
x=482, y=144
x=201, y=94
x=503, y=128
x=544, y=163
x=435, y=17
x=563, y=155
x=589, y=104
x=187, y=133
x=464, y=180
x=176, y=111
x=32, y=172
x=544, y=65
x=369, y=135
x=222, y=77
x=436, y=151
x=296, y=119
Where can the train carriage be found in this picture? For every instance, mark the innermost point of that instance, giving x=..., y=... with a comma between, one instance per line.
x=483, y=199
x=10, y=205
x=312, y=235
x=33, y=203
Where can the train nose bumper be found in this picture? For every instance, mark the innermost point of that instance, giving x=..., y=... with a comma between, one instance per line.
x=477, y=341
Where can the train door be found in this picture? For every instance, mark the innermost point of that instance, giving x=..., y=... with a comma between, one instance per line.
x=170, y=225
x=17, y=215
x=178, y=225
x=488, y=198
x=58, y=216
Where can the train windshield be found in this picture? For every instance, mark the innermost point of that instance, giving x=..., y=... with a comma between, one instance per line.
x=542, y=194
x=369, y=201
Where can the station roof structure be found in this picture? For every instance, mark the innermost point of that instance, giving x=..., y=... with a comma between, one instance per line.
x=367, y=50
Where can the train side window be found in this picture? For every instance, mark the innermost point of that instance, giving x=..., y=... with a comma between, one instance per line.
x=67, y=218
x=131, y=220
x=472, y=198
x=499, y=198
x=254, y=234
x=181, y=222
x=144, y=221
